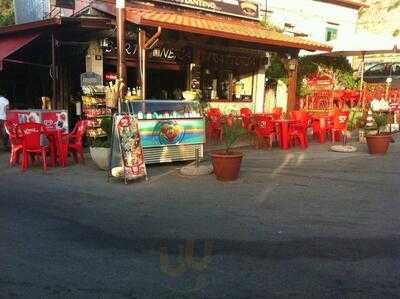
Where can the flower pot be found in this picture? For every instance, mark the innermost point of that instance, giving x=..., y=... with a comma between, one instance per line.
x=378, y=144
x=226, y=165
x=100, y=156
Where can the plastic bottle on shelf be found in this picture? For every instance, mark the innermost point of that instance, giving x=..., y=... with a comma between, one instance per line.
x=140, y=115
x=139, y=91
x=134, y=91
x=129, y=93
x=148, y=115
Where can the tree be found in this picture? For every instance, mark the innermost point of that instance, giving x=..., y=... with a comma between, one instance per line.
x=6, y=13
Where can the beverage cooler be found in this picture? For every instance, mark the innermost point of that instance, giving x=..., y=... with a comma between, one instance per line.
x=170, y=130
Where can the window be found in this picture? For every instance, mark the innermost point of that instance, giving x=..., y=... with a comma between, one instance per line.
x=331, y=34
x=379, y=69
x=396, y=69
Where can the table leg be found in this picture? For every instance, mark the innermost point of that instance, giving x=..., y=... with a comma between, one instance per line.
x=322, y=130
x=284, y=135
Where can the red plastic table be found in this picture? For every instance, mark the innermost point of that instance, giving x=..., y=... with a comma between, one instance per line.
x=284, y=131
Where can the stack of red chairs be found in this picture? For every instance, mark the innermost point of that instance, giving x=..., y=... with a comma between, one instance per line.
x=264, y=130
x=215, y=130
x=32, y=135
x=246, y=113
x=298, y=128
x=15, y=142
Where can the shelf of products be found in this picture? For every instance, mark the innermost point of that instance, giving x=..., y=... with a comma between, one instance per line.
x=94, y=109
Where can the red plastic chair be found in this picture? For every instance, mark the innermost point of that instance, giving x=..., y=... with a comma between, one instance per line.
x=264, y=130
x=75, y=141
x=32, y=143
x=62, y=146
x=246, y=113
x=215, y=130
x=16, y=142
x=298, y=128
x=277, y=113
x=340, y=121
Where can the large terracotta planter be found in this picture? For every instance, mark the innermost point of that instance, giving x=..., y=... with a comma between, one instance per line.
x=378, y=144
x=226, y=165
x=100, y=156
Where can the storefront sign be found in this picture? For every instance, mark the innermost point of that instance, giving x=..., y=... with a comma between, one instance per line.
x=70, y=4
x=158, y=54
x=90, y=79
x=52, y=119
x=231, y=60
x=156, y=133
x=242, y=8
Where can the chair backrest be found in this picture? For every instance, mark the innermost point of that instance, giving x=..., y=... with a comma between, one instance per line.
x=263, y=123
x=245, y=112
x=79, y=131
x=31, y=134
x=298, y=115
x=214, y=111
x=214, y=115
x=340, y=120
x=11, y=127
x=12, y=131
x=277, y=110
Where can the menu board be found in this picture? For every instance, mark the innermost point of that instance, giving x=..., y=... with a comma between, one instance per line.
x=127, y=132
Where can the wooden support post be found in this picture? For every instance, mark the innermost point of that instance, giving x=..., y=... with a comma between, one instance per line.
x=292, y=88
x=54, y=72
x=121, y=57
x=142, y=62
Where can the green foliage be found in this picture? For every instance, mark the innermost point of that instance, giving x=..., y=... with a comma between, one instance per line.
x=347, y=80
x=277, y=69
x=233, y=130
x=310, y=65
x=269, y=25
x=380, y=120
x=106, y=126
x=6, y=13
x=356, y=119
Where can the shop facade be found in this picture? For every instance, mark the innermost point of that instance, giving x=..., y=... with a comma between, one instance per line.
x=220, y=52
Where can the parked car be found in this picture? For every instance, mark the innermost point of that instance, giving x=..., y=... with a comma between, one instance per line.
x=381, y=71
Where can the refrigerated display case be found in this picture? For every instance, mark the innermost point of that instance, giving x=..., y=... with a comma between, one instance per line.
x=170, y=130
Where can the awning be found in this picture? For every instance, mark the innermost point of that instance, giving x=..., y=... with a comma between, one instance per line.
x=211, y=25
x=11, y=44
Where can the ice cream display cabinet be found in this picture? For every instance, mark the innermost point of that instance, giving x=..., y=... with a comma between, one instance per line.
x=170, y=130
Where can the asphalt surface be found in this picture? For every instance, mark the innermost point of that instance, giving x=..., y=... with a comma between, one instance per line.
x=297, y=224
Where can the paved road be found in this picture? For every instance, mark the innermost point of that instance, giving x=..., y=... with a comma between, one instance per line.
x=311, y=224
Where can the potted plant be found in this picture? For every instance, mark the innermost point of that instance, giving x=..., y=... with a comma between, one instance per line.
x=226, y=163
x=378, y=141
x=100, y=146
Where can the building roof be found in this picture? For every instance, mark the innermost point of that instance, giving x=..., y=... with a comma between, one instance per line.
x=349, y=3
x=52, y=23
x=207, y=24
